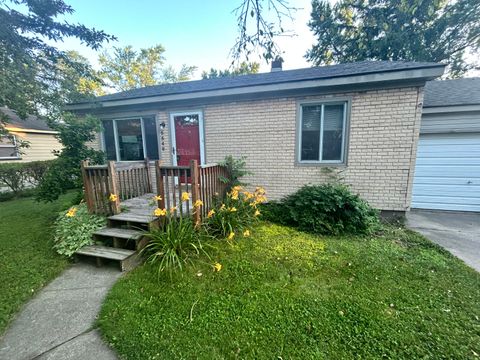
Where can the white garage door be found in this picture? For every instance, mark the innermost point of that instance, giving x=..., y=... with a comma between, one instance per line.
x=447, y=172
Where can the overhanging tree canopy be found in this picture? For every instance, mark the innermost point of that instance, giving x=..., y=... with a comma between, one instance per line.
x=414, y=30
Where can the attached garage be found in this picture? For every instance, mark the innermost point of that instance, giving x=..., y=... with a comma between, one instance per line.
x=447, y=171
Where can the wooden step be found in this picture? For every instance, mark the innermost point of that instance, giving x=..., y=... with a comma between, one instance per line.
x=135, y=218
x=127, y=234
x=128, y=259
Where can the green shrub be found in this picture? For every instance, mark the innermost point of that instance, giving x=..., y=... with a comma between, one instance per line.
x=35, y=170
x=13, y=176
x=236, y=214
x=9, y=195
x=74, y=228
x=64, y=174
x=236, y=168
x=330, y=209
x=16, y=176
x=174, y=244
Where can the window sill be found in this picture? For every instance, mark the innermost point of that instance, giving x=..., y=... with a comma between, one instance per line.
x=320, y=164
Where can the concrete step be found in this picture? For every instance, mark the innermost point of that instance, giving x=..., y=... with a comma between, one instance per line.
x=128, y=259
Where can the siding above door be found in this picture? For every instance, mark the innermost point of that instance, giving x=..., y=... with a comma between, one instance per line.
x=447, y=172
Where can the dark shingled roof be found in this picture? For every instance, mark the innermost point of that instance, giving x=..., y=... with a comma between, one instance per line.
x=30, y=123
x=277, y=77
x=452, y=92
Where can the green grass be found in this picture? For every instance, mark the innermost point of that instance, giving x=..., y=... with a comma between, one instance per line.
x=27, y=261
x=283, y=294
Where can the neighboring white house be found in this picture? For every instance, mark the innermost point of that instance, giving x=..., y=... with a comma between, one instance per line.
x=41, y=139
x=447, y=172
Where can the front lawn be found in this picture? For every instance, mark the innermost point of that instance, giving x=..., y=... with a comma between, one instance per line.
x=27, y=260
x=283, y=294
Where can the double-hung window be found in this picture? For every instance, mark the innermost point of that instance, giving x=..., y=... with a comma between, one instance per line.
x=8, y=147
x=322, y=133
x=130, y=139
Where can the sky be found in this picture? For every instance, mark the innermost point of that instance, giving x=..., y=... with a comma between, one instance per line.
x=193, y=32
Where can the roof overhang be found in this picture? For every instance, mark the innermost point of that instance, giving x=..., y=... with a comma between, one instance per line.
x=413, y=75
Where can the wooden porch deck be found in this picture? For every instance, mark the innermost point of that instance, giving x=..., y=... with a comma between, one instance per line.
x=145, y=205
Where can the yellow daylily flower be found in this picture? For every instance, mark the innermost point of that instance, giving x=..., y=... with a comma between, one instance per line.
x=211, y=213
x=160, y=212
x=198, y=203
x=222, y=207
x=257, y=212
x=246, y=233
x=248, y=195
x=231, y=235
x=71, y=212
x=217, y=267
x=232, y=209
x=237, y=188
x=173, y=209
x=185, y=196
x=113, y=197
x=157, y=198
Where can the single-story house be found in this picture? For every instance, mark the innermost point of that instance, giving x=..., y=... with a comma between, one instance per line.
x=362, y=119
x=35, y=131
x=447, y=172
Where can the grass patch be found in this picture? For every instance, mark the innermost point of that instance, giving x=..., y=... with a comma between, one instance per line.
x=27, y=261
x=287, y=294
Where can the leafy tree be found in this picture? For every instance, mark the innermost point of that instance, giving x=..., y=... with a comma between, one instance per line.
x=64, y=173
x=414, y=30
x=128, y=68
x=243, y=69
x=256, y=31
x=29, y=62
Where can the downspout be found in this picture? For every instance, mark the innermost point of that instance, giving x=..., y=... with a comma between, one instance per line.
x=413, y=149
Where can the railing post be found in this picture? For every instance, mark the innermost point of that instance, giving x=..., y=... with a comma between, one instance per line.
x=195, y=174
x=160, y=185
x=88, y=196
x=112, y=184
x=147, y=170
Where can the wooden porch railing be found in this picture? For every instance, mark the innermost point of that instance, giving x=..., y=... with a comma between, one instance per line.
x=133, y=179
x=125, y=180
x=202, y=182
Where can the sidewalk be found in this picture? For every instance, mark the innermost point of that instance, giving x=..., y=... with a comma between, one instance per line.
x=58, y=322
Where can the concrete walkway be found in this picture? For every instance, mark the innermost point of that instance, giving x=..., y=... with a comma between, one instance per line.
x=58, y=322
x=459, y=233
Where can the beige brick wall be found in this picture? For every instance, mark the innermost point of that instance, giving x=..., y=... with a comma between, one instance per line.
x=383, y=134
x=383, y=131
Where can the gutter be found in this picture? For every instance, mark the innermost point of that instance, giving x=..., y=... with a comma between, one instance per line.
x=409, y=74
x=22, y=130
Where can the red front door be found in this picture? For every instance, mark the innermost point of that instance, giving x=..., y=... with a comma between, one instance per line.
x=187, y=138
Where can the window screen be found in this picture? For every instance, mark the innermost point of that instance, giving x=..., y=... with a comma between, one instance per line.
x=109, y=139
x=151, y=138
x=322, y=133
x=8, y=147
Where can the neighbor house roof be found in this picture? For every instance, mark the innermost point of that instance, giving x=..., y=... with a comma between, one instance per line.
x=452, y=92
x=279, y=80
x=30, y=123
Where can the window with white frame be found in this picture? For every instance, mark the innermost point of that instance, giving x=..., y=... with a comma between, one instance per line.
x=8, y=147
x=130, y=139
x=322, y=132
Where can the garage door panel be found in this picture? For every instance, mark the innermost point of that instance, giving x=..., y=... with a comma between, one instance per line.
x=449, y=161
x=454, y=152
x=449, y=190
x=441, y=206
x=457, y=181
x=447, y=172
